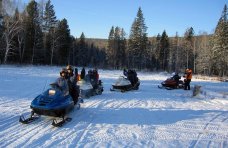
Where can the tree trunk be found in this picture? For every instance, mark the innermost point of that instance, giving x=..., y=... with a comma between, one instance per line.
x=7, y=50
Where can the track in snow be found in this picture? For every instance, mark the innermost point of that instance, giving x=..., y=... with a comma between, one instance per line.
x=149, y=117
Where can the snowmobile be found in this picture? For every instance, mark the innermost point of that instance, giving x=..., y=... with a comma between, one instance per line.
x=52, y=102
x=123, y=84
x=170, y=83
x=90, y=88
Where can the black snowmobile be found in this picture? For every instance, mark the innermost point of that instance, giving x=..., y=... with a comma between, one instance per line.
x=123, y=84
x=53, y=102
x=171, y=83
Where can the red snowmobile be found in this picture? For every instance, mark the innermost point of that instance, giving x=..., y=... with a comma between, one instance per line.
x=171, y=83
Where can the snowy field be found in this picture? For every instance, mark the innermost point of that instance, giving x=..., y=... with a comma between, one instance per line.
x=149, y=117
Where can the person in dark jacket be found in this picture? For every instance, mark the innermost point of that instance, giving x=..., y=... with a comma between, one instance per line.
x=62, y=82
x=76, y=75
x=83, y=73
x=132, y=77
x=125, y=72
x=73, y=88
x=176, y=77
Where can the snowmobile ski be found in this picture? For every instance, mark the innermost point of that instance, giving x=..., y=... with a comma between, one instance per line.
x=163, y=87
x=159, y=86
x=28, y=120
x=57, y=123
x=118, y=90
x=123, y=90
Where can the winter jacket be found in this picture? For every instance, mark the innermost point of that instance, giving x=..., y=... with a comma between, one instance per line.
x=189, y=74
x=83, y=73
x=176, y=77
x=62, y=83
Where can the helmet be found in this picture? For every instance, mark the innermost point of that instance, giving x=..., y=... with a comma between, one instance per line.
x=63, y=71
x=69, y=67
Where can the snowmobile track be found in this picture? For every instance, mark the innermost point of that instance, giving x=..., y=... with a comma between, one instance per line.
x=26, y=131
x=195, y=142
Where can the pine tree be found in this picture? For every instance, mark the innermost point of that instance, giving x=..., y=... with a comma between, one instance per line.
x=220, y=49
x=157, y=51
x=33, y=34
x=49, y=17
x=83, y=51
x=116, y=48
x=1, y=14
x=189, y=40
x=138, y=42
x=19, y=36
x=123, y=47
x=164, y=51
x=110, y=49
x=175, y=54
x=64, y=42
x=49, y=29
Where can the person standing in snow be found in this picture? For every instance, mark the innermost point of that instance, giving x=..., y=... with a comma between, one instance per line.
x=76, y=75
x=73, y=89
x=94, y=78
x=83, y=73
x=188, y=77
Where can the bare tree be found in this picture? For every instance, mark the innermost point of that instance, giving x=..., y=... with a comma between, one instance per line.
x=10, y=31
x=8, y=7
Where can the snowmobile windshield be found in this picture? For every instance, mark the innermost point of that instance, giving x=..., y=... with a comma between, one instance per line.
x=56, y=87
x=121, y=81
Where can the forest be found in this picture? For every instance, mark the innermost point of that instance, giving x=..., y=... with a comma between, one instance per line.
x=33, y=35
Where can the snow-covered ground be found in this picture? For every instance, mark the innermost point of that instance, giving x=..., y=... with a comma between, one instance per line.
x=149, y=117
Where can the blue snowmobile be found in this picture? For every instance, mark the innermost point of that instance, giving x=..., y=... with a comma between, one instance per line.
x=53, y=102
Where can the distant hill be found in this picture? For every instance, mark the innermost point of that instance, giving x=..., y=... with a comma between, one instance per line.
x=101, y=43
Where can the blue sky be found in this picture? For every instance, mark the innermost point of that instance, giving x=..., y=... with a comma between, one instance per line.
x=96, y=17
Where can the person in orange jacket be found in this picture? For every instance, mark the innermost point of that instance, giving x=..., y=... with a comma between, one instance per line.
x=188, y=77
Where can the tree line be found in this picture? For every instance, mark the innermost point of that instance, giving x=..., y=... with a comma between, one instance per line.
x=203, y=53
x=33, y=35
